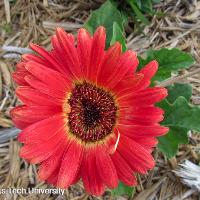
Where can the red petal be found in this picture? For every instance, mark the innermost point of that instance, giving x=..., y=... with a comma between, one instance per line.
x=77, y=178
x=24, y=116
x=144, y=97
x=46, y=89
x=90, y=175
x=70, y=165
x=142, y=131
x=69, y=53
x=58, y=54
x=38, y=152
x=33, y=97
x=84, y=50
x=50, y=60
x=48, y=76
x=21, y=66
x=127, y=65
x=149, y=71
x=106, y=168
x=109, y=63
x=18, y=77
x=35, y=58
x=43, y=130
x=20, y=73
x=48, y=167
x=125, y=173
x=136, y=156
x=52, y=180
x=147, y=142
x=129, y=84
x=140, y=114
x=97, y=52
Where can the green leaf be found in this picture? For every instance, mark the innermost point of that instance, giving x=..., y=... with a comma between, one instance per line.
x=156, y=1
x=118, y=36
x=169, y=61
x=106, y=16
x=180, y=117
x=145, y=6
x=123, y=190
x=182, y=114
x=179, y=89
x=138, y=12
x=168, y=144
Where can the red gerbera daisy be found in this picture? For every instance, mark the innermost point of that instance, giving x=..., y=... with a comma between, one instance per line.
x=87, y=113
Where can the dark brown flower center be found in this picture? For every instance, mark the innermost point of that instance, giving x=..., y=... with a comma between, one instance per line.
x=93, y=112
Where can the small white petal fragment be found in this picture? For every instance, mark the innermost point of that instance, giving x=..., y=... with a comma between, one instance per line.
x=189, y=174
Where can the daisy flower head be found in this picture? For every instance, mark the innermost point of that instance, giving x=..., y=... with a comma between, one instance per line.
x=87, y=113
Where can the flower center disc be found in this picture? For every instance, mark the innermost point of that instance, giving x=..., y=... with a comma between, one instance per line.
x=93, y=112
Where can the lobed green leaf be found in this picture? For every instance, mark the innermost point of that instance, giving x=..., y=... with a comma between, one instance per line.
x=177, y=90
x=180, y=117
x=170, y=60
x=181, y=114
x=109, y=17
